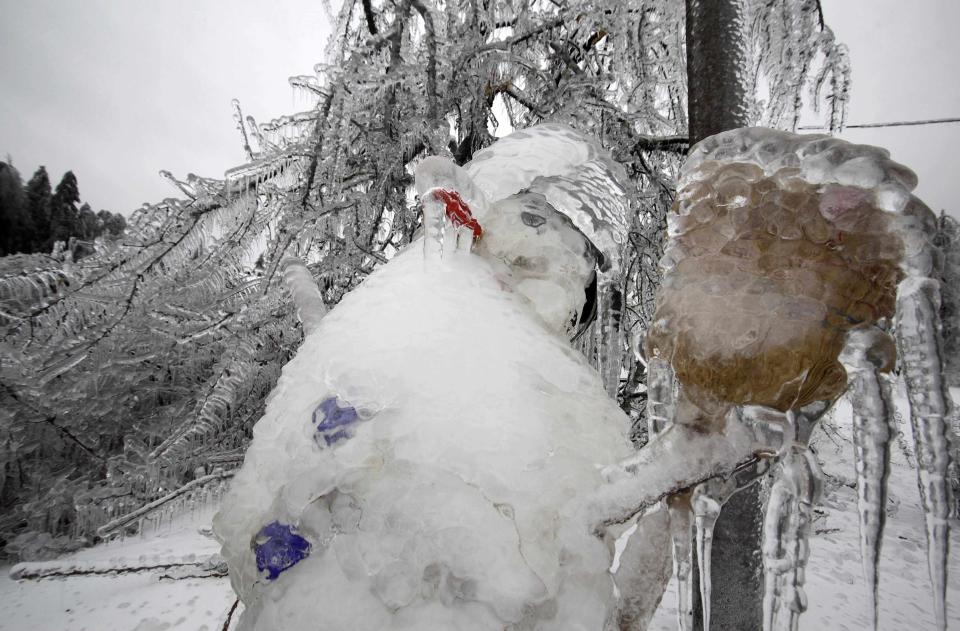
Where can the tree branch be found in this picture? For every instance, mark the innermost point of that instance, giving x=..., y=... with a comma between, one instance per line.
x=125, y=520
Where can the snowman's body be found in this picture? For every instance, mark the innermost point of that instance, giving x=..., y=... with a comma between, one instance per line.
x=423, y=450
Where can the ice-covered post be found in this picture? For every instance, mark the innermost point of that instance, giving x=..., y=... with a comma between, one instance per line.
x=718, y=100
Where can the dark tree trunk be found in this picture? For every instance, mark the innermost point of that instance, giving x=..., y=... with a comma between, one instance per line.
x=717, y=64
x=718, y=100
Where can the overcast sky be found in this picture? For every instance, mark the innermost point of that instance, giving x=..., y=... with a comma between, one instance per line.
x=118, y=89
x=906, y=60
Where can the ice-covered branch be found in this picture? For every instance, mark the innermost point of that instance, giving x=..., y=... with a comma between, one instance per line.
x=430, y=43
x=211, y=566
x=122, y=522
x=368, y=15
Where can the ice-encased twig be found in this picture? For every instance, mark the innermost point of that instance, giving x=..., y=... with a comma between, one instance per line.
x=681, y=532
x=608, y=318
x=868, y=354
x=786, y=531
x=920, y=348
x=660, y=399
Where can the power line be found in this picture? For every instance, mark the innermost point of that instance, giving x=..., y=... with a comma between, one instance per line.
x=931, y=121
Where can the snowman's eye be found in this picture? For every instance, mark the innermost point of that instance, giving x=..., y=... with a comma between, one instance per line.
x=532, y=220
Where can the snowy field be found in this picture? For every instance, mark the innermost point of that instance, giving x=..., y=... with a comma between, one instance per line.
x=155, y=601
x=146, y=601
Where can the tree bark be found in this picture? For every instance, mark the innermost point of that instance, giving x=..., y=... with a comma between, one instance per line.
x=717, y=64
x=718, y=99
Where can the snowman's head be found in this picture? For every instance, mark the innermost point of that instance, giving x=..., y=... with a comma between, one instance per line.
x=551, y=262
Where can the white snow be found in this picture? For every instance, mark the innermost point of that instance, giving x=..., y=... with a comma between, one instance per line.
x=137, y=601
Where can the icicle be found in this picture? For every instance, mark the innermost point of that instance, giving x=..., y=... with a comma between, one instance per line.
x=681, y=532
x=436, y=228
x=920, y=348
x=867, y=355
x=257, y=134
x=660, y=399
x=786, y=531
x=708, y=498
x=189, y=192
x=238, y=118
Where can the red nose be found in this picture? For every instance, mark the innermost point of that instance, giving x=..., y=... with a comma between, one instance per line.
x=457, y=211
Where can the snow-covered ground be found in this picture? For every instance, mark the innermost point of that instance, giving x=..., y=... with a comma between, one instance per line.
x=145, y=601
x=148, y=601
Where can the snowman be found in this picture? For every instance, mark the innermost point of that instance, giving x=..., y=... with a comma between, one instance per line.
x=421, y=458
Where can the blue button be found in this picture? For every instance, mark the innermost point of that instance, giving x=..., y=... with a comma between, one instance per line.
x=278, y=548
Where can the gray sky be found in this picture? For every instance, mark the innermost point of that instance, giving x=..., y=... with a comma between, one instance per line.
x=118, y=89
x=906, y=59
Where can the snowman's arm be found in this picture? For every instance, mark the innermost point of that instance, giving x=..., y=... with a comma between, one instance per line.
x=678, y=458
x=306, y=295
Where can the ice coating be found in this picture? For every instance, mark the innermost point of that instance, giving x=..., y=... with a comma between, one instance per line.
x=763, y=277
x=786, y=255
x=570, y=170
x=441, y=173
x=306, y=295
x=681, y=534
x=821, y=159
x=550, y=261
x=474, y=428
x=660, y=383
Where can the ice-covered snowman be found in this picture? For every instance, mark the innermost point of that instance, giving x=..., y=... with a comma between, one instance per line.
x=420, y=459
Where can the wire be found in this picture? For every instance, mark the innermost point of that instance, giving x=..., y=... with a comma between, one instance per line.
x=932, y=121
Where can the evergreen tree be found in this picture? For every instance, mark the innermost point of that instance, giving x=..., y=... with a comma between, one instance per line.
x=38, y=207
x=64, y=216
x=14, y=220
x=113, y=223
x=88, y=224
